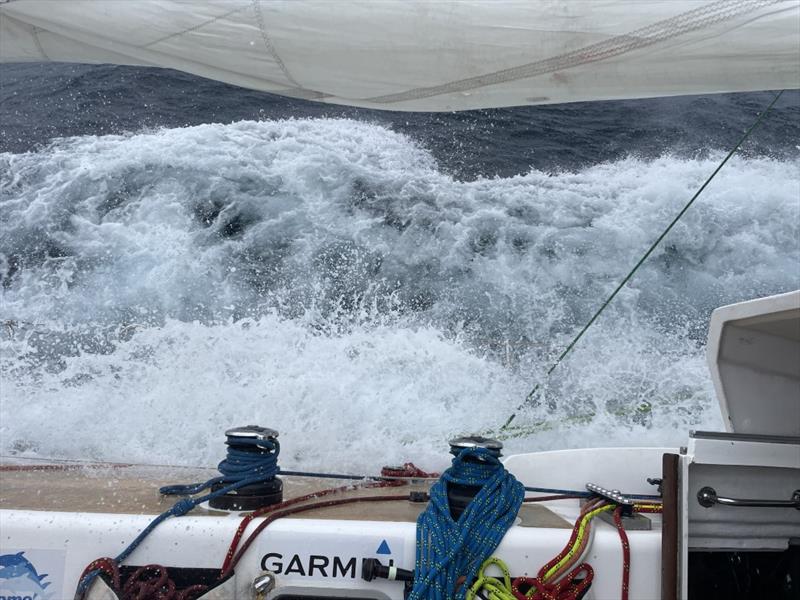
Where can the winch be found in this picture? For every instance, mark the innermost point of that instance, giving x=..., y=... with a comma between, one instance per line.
x=250, y=449
x=460, y=495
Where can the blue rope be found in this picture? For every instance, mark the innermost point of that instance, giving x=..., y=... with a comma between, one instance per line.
x=448, y=549
x=237, y=466
x=239, y=469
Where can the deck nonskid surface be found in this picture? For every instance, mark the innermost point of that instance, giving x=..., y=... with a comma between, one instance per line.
x=122, y=489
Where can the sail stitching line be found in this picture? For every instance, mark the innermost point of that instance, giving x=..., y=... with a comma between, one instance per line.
x=722, y=10
x=35, y=30
x=269, y=45
x=194, y=27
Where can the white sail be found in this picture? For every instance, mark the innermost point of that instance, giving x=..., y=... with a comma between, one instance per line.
x=428, y=55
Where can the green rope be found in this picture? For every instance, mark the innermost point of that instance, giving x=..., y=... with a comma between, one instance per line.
x=646, y=255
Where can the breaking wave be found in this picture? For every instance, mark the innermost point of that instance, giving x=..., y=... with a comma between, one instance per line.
x=326, y=278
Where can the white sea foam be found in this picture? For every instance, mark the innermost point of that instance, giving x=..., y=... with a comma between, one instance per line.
x=324, y=277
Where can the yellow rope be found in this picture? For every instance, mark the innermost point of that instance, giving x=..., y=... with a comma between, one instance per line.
x=500, y=589
x=656, y=507
x=496, y=589
x=578, y=539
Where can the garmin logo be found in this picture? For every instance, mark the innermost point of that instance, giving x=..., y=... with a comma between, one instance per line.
x=34, y=597
x=318, y=565
x=315, y=565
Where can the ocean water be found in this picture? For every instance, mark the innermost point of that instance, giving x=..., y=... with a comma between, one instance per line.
x=179, y=256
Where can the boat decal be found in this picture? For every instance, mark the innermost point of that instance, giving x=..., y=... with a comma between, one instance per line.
x=383, y=548
x=331, y=558
x=27, y=574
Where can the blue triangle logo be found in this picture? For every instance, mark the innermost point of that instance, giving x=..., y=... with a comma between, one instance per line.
x=383, y=548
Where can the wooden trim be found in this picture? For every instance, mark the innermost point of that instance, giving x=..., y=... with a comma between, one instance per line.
x=669, y=527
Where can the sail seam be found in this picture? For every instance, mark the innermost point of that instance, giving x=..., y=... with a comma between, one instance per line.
x=35, y=30
x=270, y=46
x=194, y=28
x=692, y=20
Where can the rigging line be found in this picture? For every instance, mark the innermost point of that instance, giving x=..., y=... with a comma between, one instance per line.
x=644, y=257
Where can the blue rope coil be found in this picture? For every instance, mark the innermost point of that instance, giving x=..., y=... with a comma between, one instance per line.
x=239, y=469
x=239, y=465
x=448, y=550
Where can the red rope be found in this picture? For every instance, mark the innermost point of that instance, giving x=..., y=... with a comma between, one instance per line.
x=548, y=498
x=237, y=536
x=568, y=588
x=151, y=582
x=626, y=552
x=235, y=555
x=575, y=529
x=408, y=470
x=648, y=509
x=106, y=565
x=286, y=504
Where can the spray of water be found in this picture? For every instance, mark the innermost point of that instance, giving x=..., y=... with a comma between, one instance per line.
x=326, y=278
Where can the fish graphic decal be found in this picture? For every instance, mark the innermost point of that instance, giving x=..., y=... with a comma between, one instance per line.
x=19, y=577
